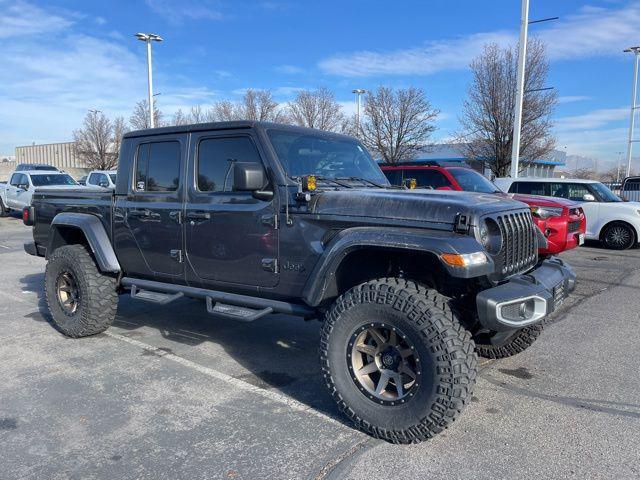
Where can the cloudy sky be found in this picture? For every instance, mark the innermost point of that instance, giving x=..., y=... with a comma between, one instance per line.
x=62, y=57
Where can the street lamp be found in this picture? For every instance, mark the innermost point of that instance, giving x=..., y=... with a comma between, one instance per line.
x=358, y=92
x=634, y=90
x=148, y=38
x=94, y=111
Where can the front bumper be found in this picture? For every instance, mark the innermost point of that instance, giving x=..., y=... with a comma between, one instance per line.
x=526, y=299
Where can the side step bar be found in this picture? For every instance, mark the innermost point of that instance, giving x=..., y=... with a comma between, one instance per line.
x=228, y=305
x=154, y=297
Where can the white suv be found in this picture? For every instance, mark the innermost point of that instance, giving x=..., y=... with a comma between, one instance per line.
x=102, y=178
x=609, y=219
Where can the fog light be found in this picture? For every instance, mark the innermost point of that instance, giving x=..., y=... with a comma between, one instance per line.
x=519, y=310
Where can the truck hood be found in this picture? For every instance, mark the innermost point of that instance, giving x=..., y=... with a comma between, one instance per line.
x=435, y=206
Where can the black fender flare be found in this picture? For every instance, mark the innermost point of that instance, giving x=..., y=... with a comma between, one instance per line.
x=93, y=231
x=349, y=240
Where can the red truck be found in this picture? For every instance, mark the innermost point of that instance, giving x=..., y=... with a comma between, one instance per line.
x=562, y=221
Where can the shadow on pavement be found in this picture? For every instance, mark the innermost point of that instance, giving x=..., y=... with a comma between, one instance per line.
x=277, y=352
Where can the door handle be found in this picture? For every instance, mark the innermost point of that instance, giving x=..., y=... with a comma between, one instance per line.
x=139, y=213
x=198, y=216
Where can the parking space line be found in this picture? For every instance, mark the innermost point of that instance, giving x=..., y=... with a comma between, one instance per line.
x=269, y=394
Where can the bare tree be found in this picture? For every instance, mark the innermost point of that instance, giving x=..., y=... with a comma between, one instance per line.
x=223, y=111
x=397, y=124
x=196, y=115
x=179, y=118
x=316, y=109
x=139, y=119
x=97, y=143
x=120, y=127
x=487, y=119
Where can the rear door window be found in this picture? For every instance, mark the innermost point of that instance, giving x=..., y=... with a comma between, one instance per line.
x=572, y=191
x=394, y=176
x=158, y=167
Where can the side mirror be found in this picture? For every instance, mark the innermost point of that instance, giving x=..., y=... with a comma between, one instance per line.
x=23, y=186
x=587, y=197
x=103, y=184
x=248, y=177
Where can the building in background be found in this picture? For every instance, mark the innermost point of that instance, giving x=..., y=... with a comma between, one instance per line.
x=450, y=154
x=59, y=155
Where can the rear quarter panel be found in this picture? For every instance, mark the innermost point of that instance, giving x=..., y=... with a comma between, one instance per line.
x=49, y=203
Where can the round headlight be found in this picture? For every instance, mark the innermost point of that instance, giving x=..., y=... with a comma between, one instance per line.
x=490, y=236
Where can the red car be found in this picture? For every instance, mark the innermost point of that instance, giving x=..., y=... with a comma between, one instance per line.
x=562, y=221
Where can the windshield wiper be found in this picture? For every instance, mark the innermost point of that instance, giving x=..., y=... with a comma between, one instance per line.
x=366, y=180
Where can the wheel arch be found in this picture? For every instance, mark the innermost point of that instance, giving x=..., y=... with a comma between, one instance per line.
x=69, y=228
x=618, y=221
x=361, y=254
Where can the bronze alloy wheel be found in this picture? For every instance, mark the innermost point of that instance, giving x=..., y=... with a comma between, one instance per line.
x=68, y=293
x=383, y=363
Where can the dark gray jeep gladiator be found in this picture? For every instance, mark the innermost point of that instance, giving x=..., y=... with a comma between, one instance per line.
x=257, y=218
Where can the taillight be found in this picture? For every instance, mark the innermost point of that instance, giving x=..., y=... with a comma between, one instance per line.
x=27, y=216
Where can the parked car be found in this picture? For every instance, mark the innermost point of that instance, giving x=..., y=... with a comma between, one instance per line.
x=614, y=222
x=27, y=167
x=102, y=178
x=562, y=221
x=630, y=190
x=83, y=180
x=18, y=193
x=378, y=264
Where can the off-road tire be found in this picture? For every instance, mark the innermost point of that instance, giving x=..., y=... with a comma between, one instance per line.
x=98, y=299
x=445, y=348
x=4, y=211
x=519, y=342
x=619, y=236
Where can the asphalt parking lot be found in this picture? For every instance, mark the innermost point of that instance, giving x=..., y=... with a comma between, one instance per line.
x=170, y=392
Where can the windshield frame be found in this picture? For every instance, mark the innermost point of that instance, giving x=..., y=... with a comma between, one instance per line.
x=468, y=171
x=336, y=176
x=602, y=193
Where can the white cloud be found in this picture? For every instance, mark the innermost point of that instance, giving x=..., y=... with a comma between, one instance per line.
x=591, y=120
x=289, y=69
x=433, y=57
x=589, y=32
x=572, y=98
x=592, y=32
x=23, y=19
x=185, y=10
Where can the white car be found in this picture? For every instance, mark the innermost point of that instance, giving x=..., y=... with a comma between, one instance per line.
x=102, y=178
x=18, y=191
x=609, y=219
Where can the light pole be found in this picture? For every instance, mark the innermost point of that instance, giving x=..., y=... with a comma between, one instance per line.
x=148, y=38
x=358, y=92
x=517, y=120
x=618, y=167
x=94, y=111
x=634, y=90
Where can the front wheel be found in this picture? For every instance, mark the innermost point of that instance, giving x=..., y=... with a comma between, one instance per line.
x=396, y=360
x=4, y=211
x=81, y=299
x=619, y=236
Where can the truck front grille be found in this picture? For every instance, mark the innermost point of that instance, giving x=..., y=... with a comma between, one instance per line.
x=519, y=250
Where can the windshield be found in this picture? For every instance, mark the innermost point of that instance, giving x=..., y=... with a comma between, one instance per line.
x=324, y=156
x=112, y=176
x=42, y=180
x=604, y=193
x=472, y=181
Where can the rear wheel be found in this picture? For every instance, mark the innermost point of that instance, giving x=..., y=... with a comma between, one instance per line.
x=503, y=345
x=396, y=360
x=81, y=299
x=619, y=236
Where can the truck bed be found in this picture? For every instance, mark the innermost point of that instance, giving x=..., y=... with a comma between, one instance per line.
x=48, y=203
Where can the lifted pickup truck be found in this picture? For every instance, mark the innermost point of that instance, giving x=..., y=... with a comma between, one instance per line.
x=257, y=218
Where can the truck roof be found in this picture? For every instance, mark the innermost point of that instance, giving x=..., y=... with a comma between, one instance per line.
x=236, y=124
